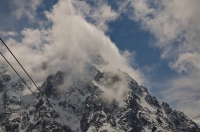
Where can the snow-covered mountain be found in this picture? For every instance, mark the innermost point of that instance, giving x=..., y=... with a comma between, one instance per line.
x=94, y=102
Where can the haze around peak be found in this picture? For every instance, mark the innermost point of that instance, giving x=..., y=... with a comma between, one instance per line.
x=162, y=38
x=67, y=43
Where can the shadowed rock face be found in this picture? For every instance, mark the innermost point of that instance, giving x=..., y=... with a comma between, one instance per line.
x=85, y=108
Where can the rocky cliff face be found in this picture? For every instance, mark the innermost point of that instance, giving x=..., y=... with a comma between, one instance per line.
x=86, y=107
x=100, y=100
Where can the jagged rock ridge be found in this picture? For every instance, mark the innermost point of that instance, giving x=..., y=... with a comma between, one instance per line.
x=85, y=106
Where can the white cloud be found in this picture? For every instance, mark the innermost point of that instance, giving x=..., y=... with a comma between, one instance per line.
x=187, y=62
x=183, y=94
x=23, y=8
x=175, y=25
x=99, y=15
x=34, y=38
x=67, y=44
x=8, y=33
x=78, y=32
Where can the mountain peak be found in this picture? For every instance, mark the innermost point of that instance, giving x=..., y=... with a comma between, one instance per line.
x=110, y=101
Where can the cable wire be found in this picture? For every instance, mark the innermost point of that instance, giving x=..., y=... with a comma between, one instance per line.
x=33, y=81
x=29, y=78
x=18, y=75
x=196, y=117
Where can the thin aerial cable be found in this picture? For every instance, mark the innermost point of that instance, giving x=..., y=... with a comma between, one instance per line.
x=196, y=117
x=19, y=63
x=18, y=75
x=31, y=80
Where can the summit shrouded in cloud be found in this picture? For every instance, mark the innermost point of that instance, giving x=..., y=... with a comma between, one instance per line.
x=68, y=35
x=67, y=43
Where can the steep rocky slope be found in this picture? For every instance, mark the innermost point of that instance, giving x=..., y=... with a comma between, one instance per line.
x=88, y=105
x=97, y=100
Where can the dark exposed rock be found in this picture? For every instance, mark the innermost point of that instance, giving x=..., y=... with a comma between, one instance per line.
x=85, y=109
x=166, y=107
x=5, y=77
x=152, y=101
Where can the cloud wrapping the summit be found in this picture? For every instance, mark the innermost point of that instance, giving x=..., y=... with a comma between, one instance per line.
x=75, y=30
x=67, y=44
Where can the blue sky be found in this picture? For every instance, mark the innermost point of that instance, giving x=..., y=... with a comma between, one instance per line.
x=160, y=38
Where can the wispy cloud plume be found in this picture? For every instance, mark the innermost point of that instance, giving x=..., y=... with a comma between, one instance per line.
x=23, y=8
x=9, y=33
x=176, y=27
x=99, y=14
x=68, y=43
